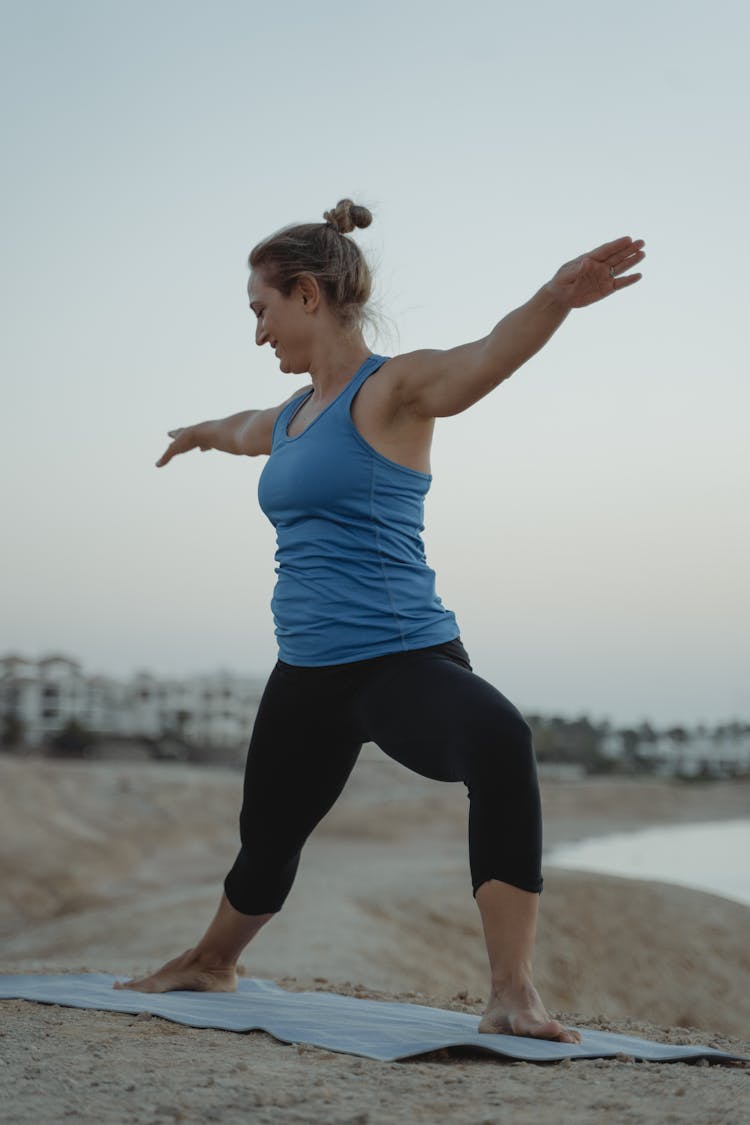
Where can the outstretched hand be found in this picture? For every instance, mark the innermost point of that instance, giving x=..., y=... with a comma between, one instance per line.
x=184, y=440
x=598, y=273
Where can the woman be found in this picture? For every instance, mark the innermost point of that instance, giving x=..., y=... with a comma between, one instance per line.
x=367, y=651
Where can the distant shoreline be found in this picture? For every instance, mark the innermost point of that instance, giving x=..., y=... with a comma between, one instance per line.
x=711, y=856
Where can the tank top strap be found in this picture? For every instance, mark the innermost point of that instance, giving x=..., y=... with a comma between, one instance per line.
x=369, y=367
x=284, y=418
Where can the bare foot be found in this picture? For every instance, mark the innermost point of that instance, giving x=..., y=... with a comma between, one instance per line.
x=186, y=972
x=518, y=1010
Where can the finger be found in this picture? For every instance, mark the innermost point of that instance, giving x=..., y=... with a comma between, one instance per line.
x=626, y=263
x=607, y=249
x=610, y=249
x=629, y=279
x=166, y=456
x=626, y=260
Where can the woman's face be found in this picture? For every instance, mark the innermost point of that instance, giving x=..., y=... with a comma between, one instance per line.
x=282, y=322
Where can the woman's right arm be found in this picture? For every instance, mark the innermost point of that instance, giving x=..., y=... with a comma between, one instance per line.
x=248, y=433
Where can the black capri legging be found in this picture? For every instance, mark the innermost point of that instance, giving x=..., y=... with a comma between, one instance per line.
x=427, y=710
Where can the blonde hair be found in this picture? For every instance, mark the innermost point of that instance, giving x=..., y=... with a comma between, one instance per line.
x=323, y=251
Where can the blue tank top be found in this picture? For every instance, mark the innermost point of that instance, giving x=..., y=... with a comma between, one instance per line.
x=353, y=581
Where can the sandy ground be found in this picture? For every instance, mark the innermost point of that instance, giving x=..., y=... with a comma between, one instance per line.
x=115, y=867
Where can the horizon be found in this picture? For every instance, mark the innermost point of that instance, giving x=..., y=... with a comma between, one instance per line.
x=259, y=679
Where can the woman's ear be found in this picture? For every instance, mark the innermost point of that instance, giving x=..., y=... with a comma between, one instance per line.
x=308, y=291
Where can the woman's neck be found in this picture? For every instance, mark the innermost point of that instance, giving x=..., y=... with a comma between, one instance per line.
x=335, y=361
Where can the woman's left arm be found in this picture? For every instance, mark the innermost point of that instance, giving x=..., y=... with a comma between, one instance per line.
x=436, y=384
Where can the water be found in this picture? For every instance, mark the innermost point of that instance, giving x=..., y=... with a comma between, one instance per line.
x=708, y=857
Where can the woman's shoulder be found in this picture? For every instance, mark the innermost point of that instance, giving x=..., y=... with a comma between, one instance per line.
x=399, y=374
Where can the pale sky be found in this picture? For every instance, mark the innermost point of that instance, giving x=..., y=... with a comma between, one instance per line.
x=587, y=521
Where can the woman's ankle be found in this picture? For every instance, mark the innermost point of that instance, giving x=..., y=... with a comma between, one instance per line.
x=517, y=979
x=207, y=960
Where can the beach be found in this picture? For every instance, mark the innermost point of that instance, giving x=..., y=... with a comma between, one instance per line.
x=115, y=867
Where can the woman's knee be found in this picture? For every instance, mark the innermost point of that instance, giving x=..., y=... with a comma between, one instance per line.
x=501, y=744
x=258, y=883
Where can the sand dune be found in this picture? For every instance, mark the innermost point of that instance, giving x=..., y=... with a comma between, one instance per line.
x=117, y=866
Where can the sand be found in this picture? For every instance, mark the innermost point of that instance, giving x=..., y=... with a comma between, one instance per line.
x=115, y=867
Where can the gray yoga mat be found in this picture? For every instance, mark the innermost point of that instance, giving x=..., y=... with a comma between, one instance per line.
x=375, y=1029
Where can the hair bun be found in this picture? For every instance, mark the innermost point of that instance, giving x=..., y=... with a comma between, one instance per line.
x=346, y=215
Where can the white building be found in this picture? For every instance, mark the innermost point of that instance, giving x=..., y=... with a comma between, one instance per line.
x=212, y=710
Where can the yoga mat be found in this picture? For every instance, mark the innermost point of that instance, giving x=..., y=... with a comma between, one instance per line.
x=374, y=1029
